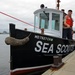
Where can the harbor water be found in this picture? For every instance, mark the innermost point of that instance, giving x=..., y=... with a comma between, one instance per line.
x=5, y=55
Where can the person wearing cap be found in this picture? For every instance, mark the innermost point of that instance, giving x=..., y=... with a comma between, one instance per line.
x=68, y=24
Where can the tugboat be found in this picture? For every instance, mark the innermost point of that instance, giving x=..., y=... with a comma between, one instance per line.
x=34, y=51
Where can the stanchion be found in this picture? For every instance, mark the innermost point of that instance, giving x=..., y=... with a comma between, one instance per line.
x=42, y=31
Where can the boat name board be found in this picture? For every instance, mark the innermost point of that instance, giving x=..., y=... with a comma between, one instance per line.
x=50, y=47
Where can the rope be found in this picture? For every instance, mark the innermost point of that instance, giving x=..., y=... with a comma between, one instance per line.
x=18, y=19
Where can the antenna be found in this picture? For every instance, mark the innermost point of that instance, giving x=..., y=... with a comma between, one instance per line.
x=58, y=4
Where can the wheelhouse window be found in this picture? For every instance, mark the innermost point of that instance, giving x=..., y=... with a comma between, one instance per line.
x=36, y=20
x=55, y=21
x=44, y=20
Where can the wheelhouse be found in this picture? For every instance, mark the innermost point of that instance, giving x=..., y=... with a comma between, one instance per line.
x=51, y=20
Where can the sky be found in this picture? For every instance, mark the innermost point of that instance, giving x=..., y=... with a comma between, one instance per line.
x=24, y=10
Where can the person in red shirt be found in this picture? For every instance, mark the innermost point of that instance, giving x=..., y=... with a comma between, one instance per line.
x=68, y=23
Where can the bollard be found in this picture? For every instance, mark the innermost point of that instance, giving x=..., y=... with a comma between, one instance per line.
x=60, y=58
x=56, y=60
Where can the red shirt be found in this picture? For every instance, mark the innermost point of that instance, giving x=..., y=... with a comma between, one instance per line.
x=69, y=21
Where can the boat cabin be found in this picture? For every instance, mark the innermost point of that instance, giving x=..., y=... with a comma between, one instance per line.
x=51, y=20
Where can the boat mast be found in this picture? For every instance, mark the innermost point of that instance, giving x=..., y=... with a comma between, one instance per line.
x=58, y=4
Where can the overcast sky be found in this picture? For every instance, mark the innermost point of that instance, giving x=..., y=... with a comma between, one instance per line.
x=24, y=9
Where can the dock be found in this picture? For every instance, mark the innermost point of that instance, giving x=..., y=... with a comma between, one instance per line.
x=67, y=69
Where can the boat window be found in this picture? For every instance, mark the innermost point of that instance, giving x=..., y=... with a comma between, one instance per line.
x=44, y=20
x=55, y=21
x=36, y=20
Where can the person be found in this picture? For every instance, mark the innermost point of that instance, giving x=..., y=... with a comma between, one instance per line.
x=68, y=23
x=64, y=14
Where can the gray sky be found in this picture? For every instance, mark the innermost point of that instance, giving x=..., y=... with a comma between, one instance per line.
x=24, y=9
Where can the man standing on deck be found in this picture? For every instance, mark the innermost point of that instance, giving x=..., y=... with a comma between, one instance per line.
x=68, y=23
x=64, y=14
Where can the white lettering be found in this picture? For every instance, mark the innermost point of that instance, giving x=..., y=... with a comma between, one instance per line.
x=50, y=49
x=66, y=48
x=38, y=48
x=45, y=48
x=58, y=48
x=62, y=48
x=36, y=36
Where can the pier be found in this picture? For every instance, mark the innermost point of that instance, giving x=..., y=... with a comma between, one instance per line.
x=67, y=69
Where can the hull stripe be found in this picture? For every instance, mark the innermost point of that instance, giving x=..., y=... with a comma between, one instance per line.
x=28, y=70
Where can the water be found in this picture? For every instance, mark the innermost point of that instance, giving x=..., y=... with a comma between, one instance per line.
x=4, y=56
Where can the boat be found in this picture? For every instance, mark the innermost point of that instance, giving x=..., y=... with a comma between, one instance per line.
x=33, y=51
